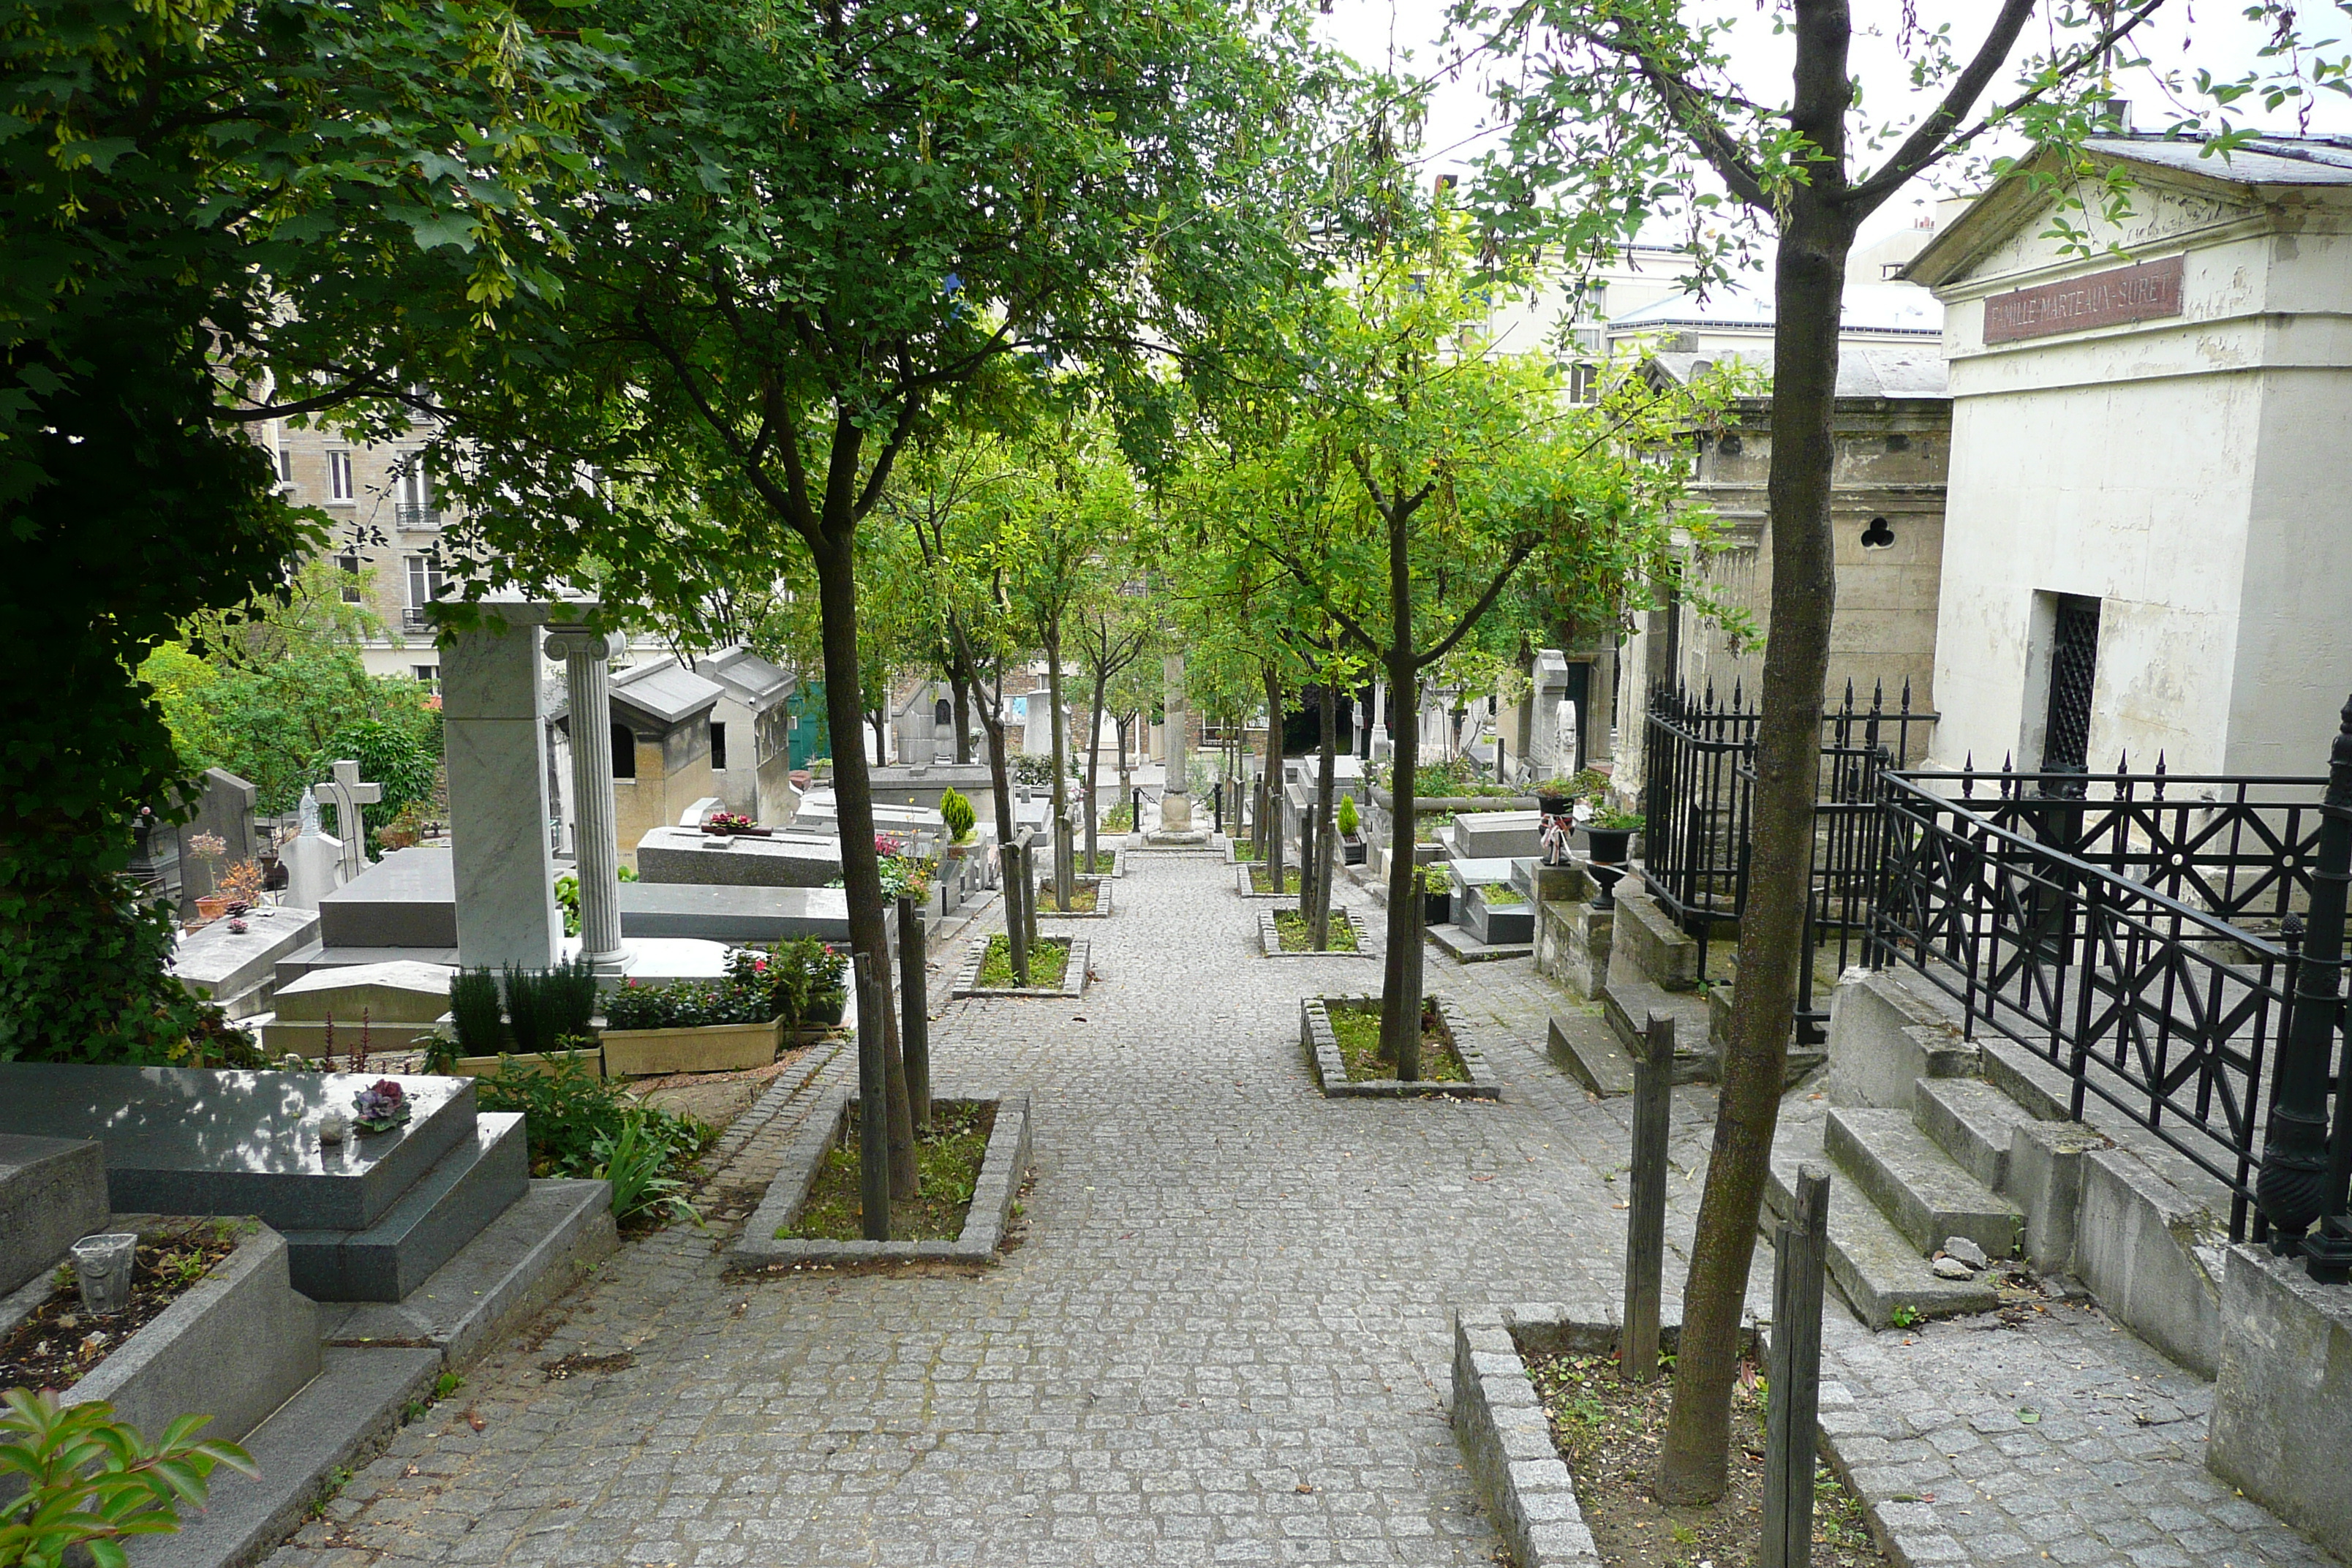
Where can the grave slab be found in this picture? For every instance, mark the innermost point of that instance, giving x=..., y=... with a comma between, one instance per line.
x=719, y=913
x=52, y=1193
x=401, y=991
x=239, y=969
x=190, y=1141
x=447, y=1208
x=408, y=898
x=1499, y=835
x=687, y=855
x=1473, y=872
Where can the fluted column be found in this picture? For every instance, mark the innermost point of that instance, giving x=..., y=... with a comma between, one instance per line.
x=597, y=851
x=1176, y=796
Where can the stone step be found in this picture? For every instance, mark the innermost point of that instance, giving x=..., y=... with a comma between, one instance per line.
x=1970, y=1120
x=1627, y=1000
x=1464, y=947
x=337, y=1420
x=470, y=1187
x=1921, y=1189
x=1873, y=1264
x=520, y=1262
x=1586, y=1048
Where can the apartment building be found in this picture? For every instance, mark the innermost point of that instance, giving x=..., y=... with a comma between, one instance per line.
x=385, y=521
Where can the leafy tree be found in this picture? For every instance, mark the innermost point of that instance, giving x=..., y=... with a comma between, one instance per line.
x=194, y=191
x=1624, y=104
x=1114, y=633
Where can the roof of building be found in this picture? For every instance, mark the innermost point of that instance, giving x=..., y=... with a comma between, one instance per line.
x=1865, y=369
x=1892, y=309
x=755, y=681
x=2266, y=161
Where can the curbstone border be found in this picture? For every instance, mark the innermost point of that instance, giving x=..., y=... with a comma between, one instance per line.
x=1073, y=973
x=1330, y=1068
x=1269, y=939
x=1242, y=886
x=1103, y=909
x=757, y=1246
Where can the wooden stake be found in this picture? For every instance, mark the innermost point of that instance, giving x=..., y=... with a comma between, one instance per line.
x=1793, y=1391
x=1645, y=1217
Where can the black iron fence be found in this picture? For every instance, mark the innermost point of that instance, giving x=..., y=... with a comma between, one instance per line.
x=2173, y=944
x=1699, y=781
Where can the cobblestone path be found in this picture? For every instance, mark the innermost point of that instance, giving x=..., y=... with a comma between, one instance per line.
x=1222, y=1337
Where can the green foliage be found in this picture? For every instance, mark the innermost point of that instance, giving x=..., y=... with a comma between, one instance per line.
x=575, y=1120
x=91, y=1482
x=546, y=1006
x=633, y=1158
x=479, y=1012
x=1345, y=814
x=1610, y=819
x=1435, y=879
x=957, y=812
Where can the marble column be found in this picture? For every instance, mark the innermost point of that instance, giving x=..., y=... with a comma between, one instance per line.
x=494, y=732
x=586, y=655
x=1176, y=797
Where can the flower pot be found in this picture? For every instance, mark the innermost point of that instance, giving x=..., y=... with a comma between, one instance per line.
x=212, y=906
x=1437, y=909
x=1555, y=805
x=708, y=1047
x=1351, y=850
x=1607, y=845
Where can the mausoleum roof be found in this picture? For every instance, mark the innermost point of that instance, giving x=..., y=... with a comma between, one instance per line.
x=754, y=680
x=1866, y=370
x=1881, y=308
x=665, y=690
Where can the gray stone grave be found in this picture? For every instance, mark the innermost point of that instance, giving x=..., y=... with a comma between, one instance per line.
x=52, y=1192
x=364, y=1220
x=689, y=855
x=390, y=1003
x=721, y=913
x=224, y=809
x=238, y=969
x=407, y=899
x=1499, y=835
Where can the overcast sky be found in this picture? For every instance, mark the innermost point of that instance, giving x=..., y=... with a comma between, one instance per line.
x=2212, y=33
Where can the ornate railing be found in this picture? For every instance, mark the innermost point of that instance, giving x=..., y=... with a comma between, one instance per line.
x=2173, y=944
x=1699, y=785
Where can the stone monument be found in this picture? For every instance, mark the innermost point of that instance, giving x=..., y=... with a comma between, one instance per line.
x=225, y=810
x=348, y=796
x=1176, y=825
x=586, y=654
x=314, y=862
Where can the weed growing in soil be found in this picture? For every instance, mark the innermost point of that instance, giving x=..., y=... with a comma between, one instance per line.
x=948, y=1157
x=1297, y=936
x=1261, y=881
x=1358, y=1034
x=1609, y=1431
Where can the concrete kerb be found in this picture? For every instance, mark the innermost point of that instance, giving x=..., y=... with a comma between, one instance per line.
x=1073, y=973
x=1269, y=938
x=1247, y=890
x=1102, y=910
x=1002, y=1169
x=1322, y=1047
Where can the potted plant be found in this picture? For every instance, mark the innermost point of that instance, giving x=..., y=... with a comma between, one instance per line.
x=957, y=813
x=1352, y=840
x=699, y=1026
x=1608, y=833
x=208, y=848
x=813, y=978
x=242, y=884
x=1436, y=894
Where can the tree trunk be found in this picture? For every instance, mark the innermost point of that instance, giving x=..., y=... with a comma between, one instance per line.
x=1094, y=761
x=1400, y=996
x=961, y=686
x=1126, y=771
x=1065, y=884
x=1000, y=778
x=1810, y=279
x=878, y=720
x=1326, y=830
x=1270, y=826
x=852, y=792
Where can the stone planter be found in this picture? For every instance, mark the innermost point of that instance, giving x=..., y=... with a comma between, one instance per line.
x=1074, y=974
x=1437, y=908
x=1353, y=850
x=235, y=1347
x=1248, y=890
x=1331, y=1070
x=1001, y=1173
x=1102, y=910
x=1269, y=939
x=709, y=1047
x=528, y=1061
x=1496, y=924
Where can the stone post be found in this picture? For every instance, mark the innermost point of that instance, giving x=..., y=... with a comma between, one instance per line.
x=585, y=655
x=1176, y=799
x=494, y=734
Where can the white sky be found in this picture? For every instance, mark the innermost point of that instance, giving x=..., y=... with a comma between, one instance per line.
x=2210, y=34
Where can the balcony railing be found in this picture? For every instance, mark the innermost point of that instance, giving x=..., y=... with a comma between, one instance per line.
x=416, y=515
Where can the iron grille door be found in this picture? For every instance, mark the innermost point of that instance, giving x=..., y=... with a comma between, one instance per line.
x=2074, y=662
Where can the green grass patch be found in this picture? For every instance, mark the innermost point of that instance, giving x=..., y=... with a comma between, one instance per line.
x=1082, y=899
x=948, y=1157
x=1104, y=862
x=1261, y=879
x=1049, y=959
x=1297, y=934
x=1500, y=895
x=1121, y=819
x=1246, y=851
x=1358, y=1034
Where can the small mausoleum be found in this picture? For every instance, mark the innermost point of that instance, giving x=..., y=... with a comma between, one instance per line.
x=751, y=735
x=2146, y=544
x=660, y=719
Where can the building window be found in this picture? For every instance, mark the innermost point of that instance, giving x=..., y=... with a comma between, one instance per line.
x=348, y=564
x=719, y=746
x=338, y=475
x=427, y=676
x=625, y=753
x=412, y=496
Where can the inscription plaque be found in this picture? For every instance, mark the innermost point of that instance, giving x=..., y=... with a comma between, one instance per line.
x=2143, y=293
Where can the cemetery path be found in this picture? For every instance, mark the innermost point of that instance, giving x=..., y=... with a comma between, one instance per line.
x=1225, y=1334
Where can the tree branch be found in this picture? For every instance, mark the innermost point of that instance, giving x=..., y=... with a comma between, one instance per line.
x=1926, y=141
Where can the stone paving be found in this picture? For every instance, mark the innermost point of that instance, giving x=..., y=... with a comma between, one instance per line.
x=1222, y=1337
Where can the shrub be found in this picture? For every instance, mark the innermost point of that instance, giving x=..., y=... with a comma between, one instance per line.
x=545, y=1005
x=91, y=1480
x=1349, y=820
x=478, y=1013
x=574, y=1121
x=958, y=814
x=1614, y=821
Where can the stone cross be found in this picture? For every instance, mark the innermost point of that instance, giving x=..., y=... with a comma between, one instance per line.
x=350, y=794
